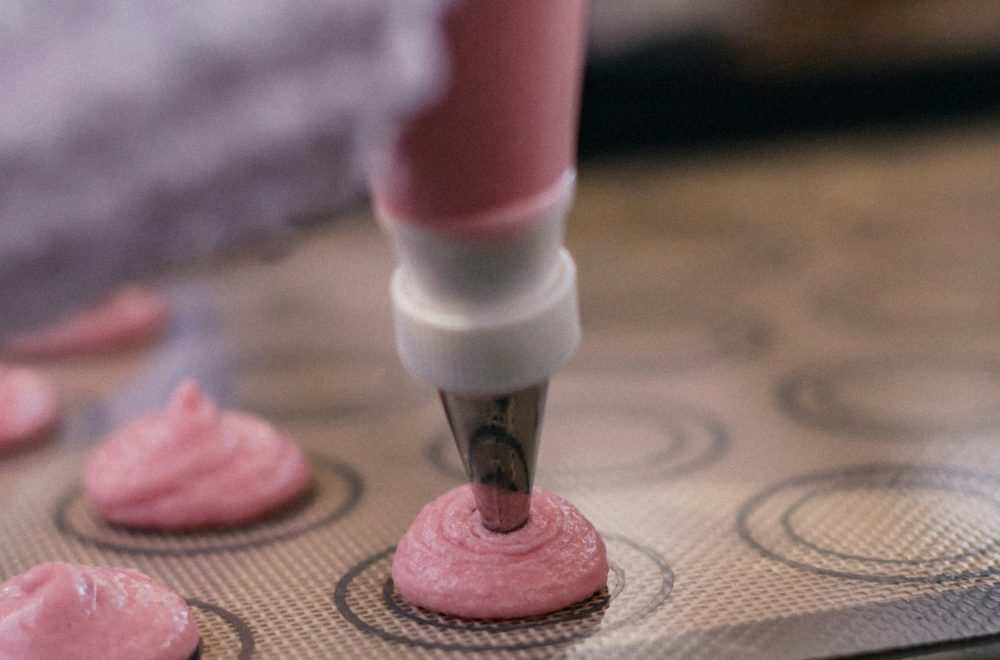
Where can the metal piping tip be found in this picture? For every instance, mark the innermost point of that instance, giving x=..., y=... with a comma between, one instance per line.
x=497, y=437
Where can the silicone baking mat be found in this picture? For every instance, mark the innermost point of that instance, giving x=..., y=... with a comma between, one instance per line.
x=784, y=419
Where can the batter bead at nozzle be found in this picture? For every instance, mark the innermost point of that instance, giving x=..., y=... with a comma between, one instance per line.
x=497, y=438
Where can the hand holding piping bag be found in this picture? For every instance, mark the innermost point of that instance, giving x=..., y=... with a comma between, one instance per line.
x=474, y=198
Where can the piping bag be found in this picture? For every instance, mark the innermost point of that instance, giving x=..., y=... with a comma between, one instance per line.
x=474, y=195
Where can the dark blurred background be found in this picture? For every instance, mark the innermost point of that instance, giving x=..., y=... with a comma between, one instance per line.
x=683, y=74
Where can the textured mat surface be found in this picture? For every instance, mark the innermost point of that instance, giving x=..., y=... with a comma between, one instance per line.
x=784, y=419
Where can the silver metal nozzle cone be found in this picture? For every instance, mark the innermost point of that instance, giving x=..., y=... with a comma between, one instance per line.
x=497, y=437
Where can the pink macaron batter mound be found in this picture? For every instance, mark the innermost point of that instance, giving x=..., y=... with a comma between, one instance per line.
x=192, y=465
x=130, y=316
x=60, y=611
x=449, y=563
x=29, y=407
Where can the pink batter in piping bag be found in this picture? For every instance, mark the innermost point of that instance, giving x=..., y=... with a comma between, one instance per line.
x=474, y=198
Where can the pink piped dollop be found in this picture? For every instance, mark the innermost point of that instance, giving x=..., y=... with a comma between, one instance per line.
x=450, y=563
x=132, y=315
x=29, y=406
x=68, y=612
x=192, y=465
